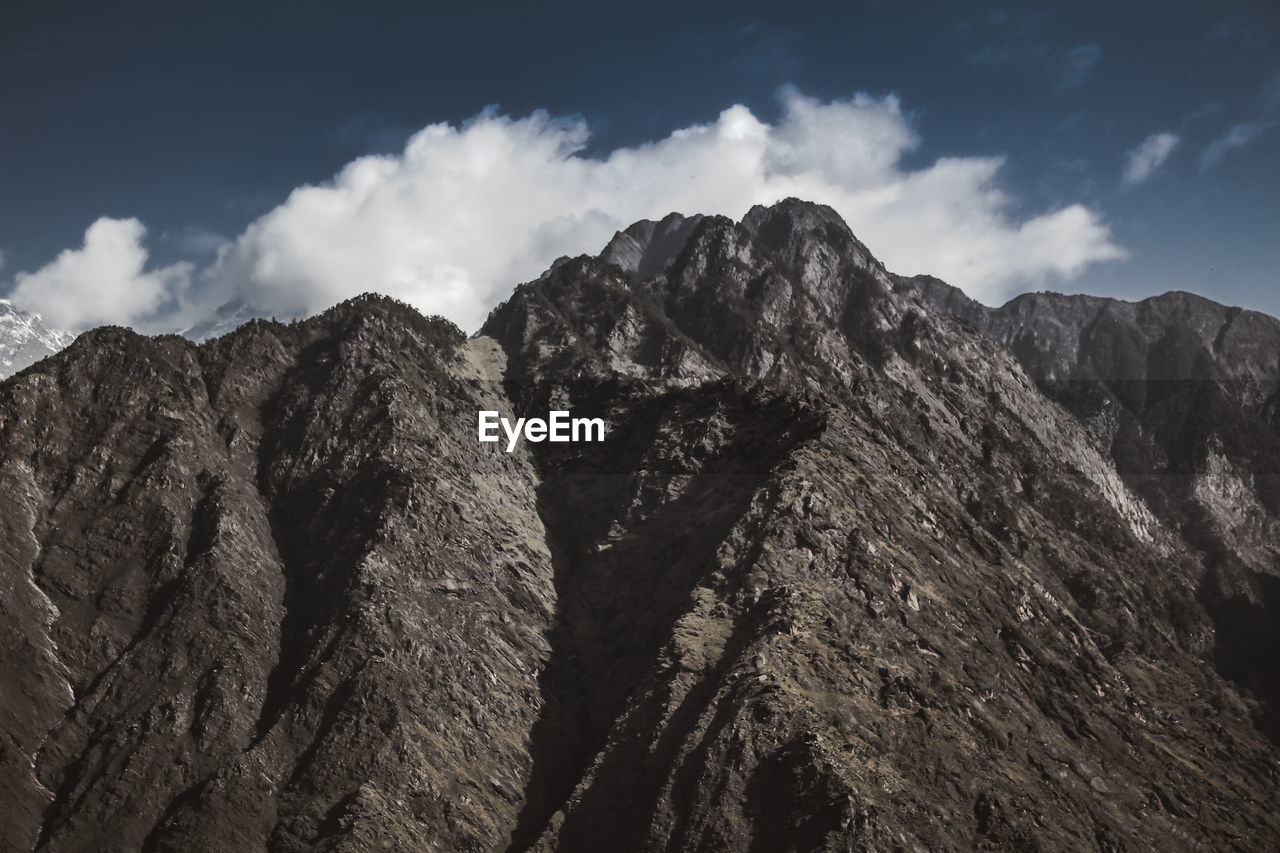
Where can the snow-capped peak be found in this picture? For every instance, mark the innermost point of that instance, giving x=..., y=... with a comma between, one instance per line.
x=25, y=339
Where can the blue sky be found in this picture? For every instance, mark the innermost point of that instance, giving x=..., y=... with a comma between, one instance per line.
x=1119, y=149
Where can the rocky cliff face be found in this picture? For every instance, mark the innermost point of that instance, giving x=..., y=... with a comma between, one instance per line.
x=840, y=576
x=1185, y=395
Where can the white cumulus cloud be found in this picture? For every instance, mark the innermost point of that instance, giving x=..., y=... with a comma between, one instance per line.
x=465, y=212
x=1149, y=156
x=105, y=281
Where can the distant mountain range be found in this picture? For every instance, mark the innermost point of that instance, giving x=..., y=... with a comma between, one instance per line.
x=231, y=316
x=861, y=564
x=25, y=339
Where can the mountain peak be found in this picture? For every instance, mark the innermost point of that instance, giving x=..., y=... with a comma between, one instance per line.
x=774, y=223
x=25, y=339
x=1069, y=336
x=793, y=229
x=839, y=575
x=646, y=248
x=785, y=292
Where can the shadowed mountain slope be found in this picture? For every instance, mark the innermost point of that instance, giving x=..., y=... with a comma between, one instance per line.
x=841, y=576
x=1185, y=395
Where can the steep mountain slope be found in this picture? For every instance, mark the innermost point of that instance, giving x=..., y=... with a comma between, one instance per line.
x=1185, y=394
x=25, y=339
x=268, y=591
x=1174, y=336
x=839, y=577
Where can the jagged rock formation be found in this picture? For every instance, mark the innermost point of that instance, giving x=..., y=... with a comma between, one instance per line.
x=1185, y=394
x=25, y=339
x=840, y=577
x=1176, y=336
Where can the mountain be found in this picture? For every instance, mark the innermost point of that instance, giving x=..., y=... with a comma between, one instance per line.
x=230, y=316
x=25, y=339
x=1185, y=395
x=842, y=575
x=1173, y=337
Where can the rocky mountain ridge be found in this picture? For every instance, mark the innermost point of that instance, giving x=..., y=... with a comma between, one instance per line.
x=1185, y=395
x=25, y=339
x=842, y=576
x=1058, y=336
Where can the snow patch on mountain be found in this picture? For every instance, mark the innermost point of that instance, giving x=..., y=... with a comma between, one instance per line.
x=25, y=339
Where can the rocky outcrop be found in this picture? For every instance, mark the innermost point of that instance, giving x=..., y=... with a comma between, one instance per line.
x=1176, y=336
x=841, y=576
x=268, y=592
x=1183, y=392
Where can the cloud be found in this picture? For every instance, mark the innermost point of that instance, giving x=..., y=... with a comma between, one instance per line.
x=1149, y=156
x=1209, y=109
x=465, y=212
x=371, y=134
x=1068, y=122
x=194, y=241
x=104, y=281
x=1238, y=136
x=764, y=52
x=1024, y=50
x=1269, y=96
x=1073, y=68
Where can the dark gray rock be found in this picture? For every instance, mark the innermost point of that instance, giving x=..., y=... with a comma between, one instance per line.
x=840, y=577
x=1184, y=393
x=647, y=248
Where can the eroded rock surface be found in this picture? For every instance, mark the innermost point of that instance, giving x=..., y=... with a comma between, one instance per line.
x=1183, y=393
x=841, y=576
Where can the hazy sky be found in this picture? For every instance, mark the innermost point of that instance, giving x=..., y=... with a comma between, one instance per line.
x=157, y=158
